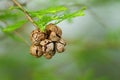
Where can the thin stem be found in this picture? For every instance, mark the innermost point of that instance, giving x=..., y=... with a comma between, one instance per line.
x=16, y=34
x=26, y=13
x=21, y=38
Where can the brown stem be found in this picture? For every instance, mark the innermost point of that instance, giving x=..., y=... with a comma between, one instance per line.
x=26, y=13
x=16, y=34
x=21, y=38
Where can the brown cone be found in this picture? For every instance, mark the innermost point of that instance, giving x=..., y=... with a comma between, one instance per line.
x=60, y=47
x=49, y=48
x=53, y=28
x=36, y=51
x=53, y=37
x=48, y=42
x=36, y=36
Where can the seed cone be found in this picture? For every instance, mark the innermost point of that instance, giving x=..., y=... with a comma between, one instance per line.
x=48, y=42
x=37, y=36
x=53, y=28
x=36, y=51
x=53, y=37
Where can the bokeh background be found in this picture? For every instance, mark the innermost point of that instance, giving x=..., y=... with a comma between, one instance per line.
x=92, y=51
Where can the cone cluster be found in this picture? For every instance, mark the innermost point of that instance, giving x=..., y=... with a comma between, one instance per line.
x=48, y=42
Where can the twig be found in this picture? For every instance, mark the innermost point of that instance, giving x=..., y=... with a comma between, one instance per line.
x=21, y=38
x=16, y=34
x=26, y=13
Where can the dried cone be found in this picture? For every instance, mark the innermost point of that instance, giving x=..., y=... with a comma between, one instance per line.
x=36, y=36
x=36, y=51
x=62, y=41
x=53, y=28
x=53, y=32
x=53, y=37
x=44, y=42
x=48, y=42
x=48, y=48
x=60, y=46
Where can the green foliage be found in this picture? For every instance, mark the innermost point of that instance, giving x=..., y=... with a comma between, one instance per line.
x=6, y=14
x=10, y=15
x=11, y=35
x=51, y=10
x=56, y=14
x=70, y=15
x=87, y=57
x=42, y=17
x=14, y=26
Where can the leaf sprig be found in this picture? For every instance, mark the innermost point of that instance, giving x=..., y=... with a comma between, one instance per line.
x=43, y=17
x=14, y=26
x=56, y=14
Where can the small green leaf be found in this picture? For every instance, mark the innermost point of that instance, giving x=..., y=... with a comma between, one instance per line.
x=11, y=35
x=12, y=7
x=43, y=20
x=74, y=14
x=14, y=26
x=55, y=15
x=56, y=9
x=51, y=10
x=6, y=14
x=71, y=15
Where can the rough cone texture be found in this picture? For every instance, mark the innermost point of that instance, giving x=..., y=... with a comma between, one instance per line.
x=48, y=42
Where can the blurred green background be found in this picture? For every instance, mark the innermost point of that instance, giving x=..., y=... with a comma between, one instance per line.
x=92, y=51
